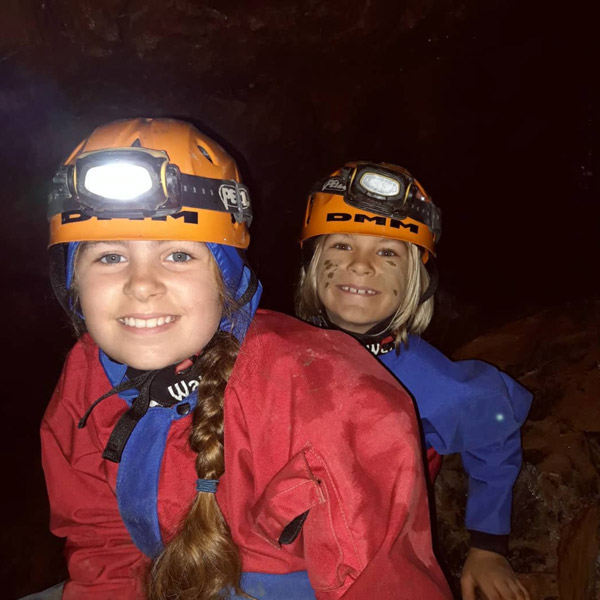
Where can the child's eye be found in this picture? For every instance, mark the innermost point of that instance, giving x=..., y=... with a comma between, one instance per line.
x=111, y=259
x=341, y=246
x=386, y=252
x=179, y=257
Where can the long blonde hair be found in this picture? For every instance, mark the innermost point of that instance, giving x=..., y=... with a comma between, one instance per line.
x=412, y=315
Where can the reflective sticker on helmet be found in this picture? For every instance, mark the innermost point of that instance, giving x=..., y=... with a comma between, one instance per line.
x=189, y=224
x=334, y=184
x=229, y=195
x=377, y=220
x=329, y=213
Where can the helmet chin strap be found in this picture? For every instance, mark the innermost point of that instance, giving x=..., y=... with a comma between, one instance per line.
x=373, y=335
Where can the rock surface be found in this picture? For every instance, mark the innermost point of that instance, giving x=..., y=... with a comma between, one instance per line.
x=556, y=516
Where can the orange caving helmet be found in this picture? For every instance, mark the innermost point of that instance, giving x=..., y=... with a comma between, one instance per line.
x=158, y=179
x=377, y=199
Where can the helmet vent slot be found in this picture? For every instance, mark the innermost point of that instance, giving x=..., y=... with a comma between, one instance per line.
x=205, y=154
x=136, y=143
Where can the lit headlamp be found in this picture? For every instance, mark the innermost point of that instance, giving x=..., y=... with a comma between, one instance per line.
x=138, y=183
x=390, y=193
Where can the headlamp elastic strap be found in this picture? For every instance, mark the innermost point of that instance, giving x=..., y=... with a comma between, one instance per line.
x=217, y=194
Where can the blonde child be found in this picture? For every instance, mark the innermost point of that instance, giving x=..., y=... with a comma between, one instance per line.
x=368, y=242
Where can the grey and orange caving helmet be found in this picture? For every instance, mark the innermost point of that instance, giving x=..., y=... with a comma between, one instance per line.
x=154, y=179
x=377, y=199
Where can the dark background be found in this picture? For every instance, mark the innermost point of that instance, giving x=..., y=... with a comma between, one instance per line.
x=489, y=104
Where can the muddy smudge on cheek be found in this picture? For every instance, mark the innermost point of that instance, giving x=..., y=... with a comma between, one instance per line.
x=327, y=266
x=391, y=262
x=326, y=284
x=395, y=292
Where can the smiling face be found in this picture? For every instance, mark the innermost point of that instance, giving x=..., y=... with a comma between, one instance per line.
x=361, y=279
x=149, y=304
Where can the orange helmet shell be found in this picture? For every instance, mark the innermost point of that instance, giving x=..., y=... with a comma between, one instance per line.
x=193, y=152
x=328, y=213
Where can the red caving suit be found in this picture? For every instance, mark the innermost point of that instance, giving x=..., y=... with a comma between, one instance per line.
x=312, y=423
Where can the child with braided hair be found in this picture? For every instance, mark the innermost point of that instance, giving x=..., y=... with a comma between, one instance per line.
x=196, y=447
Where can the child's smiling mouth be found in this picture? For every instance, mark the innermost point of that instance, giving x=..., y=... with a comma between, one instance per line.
x=361, y=291
x=150, y=323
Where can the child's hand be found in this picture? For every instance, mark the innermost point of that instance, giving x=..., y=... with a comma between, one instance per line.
x=493, y=575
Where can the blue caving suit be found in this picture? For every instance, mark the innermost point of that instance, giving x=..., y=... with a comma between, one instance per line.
x=471, y=408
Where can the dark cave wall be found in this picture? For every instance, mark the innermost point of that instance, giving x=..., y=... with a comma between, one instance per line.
x=488, y=104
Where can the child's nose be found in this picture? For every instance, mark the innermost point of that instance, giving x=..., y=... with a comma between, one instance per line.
x=361, y=264
x=143, y=283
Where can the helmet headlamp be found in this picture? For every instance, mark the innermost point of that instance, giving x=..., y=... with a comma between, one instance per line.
x=117, y=181
x=380, y=186
x=134, y=183
x=392, y=193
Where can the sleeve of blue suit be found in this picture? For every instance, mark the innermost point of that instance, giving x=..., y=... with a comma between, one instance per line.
x=472, y=408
